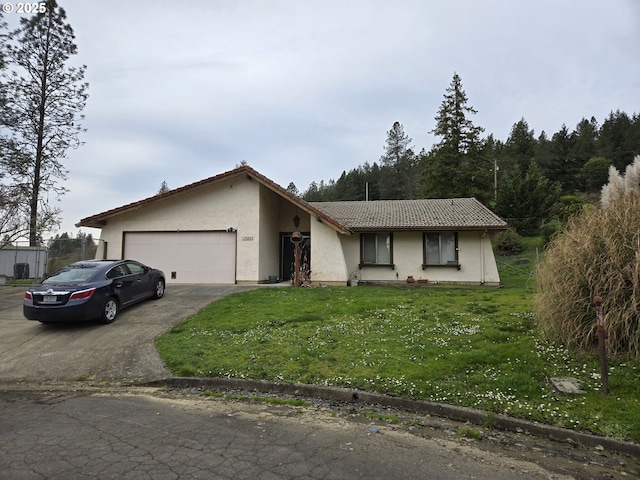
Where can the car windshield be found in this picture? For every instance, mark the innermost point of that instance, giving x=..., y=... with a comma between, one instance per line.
x=72, y=274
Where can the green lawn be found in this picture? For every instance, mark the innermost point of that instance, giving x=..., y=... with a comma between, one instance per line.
x=473, y=346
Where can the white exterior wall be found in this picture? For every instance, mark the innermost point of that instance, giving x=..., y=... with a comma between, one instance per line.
x=233, y=203
x=269, y=245
x=328, y=263
x=475, y=256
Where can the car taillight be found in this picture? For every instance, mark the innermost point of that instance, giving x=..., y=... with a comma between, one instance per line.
x=82, y=295
x=28, y=296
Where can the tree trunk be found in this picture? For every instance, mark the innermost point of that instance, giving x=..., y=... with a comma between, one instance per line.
x=35, y=193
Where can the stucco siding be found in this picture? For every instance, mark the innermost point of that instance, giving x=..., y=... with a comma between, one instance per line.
x=327, y=258
x=269, y=236
x=230, y=204
x=475, y=256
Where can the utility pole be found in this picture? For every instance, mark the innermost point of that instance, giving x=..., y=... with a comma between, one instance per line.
x=495, y=179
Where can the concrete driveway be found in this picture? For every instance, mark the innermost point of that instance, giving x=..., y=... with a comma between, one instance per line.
x=122, y=351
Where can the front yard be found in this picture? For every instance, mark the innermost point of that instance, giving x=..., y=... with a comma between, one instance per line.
x=473, y=346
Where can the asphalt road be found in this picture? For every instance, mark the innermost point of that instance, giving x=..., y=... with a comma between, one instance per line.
x=66, y=435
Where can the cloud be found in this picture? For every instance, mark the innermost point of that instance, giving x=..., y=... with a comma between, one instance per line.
x=180, y=91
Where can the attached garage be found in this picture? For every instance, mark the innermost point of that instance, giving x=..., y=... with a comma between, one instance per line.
x=186, y=257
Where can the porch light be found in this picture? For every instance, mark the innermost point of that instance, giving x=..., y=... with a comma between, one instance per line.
x=296, y=221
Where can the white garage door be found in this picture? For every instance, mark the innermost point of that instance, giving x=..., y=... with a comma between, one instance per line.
x=186, y=257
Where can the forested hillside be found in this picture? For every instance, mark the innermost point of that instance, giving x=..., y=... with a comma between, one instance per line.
x=522, y=177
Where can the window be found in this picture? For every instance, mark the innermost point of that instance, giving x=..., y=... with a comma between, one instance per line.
x=441, y=248
x=376, y=249
x=135, y=268
x=117, y=271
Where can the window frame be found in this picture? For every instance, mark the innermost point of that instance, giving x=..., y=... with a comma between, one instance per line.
x=376, y=263
x=425, y=263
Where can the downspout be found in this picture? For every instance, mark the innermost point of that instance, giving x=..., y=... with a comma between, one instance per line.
x=482, y=259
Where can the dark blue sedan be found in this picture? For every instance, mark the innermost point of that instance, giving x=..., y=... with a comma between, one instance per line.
x=92, y=290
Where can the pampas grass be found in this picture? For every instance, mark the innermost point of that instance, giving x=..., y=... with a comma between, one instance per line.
x=597, y=255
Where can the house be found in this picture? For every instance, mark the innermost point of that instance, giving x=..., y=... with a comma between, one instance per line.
x=236, y=227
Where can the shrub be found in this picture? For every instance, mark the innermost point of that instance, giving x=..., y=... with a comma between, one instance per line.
x=598, y=254
x=570, y=205
x=508, y=243
x=548, y=231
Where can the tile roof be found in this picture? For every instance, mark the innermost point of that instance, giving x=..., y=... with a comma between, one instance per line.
x=424, y=214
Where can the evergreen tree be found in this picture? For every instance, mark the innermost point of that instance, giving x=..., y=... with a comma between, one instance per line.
x=584, y=140
x=455, y=166
x=312, y=193
x=519, y=147
x=459, y=135
x=542, y=151
x=44, y=100
x=292, y=189
x=595, y=173
x=397, y=175
x=559, y=163
x=633, y=137
x=164, y=188
x=372, y=181
x=525, y=200
x=345, y=187
x=10, y=195
x=616, y=140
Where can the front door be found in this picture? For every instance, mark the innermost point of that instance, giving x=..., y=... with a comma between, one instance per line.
x=287, y=260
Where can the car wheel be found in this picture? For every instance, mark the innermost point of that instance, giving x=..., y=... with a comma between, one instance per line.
x=159, y=290
x=109, y=311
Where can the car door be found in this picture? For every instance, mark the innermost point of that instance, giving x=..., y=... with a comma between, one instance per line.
x=142, y=279
x=124, y=283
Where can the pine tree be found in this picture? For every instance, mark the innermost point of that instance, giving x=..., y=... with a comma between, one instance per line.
x=398, y=179
x=616, y=140
x=459, y=135
x=455, y=166
x=519, y=147
x=585, y=138
x=292, y=189
x=164, y=188
x=10, y=198
x=45, y=98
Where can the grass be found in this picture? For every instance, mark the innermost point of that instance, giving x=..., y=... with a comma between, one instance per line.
x=475, y=347
x=293, y=402
x=21, y=282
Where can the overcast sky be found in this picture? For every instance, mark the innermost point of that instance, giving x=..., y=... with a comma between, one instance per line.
x=304, y=89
